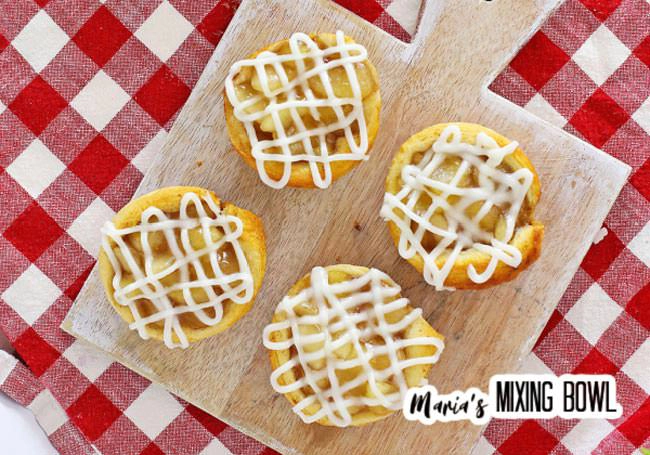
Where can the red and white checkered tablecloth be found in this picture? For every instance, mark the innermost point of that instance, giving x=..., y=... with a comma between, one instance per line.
x=88, y=91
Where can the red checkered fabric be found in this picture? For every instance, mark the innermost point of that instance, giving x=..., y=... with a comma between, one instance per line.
x=88, y=91
x=20, y=384
x=588, y=71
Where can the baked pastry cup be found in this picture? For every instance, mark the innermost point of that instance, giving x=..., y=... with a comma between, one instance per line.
x=305, y=110
x=460, y=205
x=345, y=346
x=180, y=265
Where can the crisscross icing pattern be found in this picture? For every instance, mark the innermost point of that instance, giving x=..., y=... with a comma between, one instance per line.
x=495, y=188
x=356, y=308
x=214, y=285
x=294, y=95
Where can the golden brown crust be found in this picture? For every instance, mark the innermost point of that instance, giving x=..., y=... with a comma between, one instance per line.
x=168, y=199
x=413, y=375
x=301, y=176
x=527, y=239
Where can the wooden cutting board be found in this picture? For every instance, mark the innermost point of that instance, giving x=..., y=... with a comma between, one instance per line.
x=442, y=76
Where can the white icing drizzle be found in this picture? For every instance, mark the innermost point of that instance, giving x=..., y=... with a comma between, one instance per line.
x=495, y=188
x=235, y=287
x=337, y=311
x=303, y=48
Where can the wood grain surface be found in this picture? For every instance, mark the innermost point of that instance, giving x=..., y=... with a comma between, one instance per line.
x=442, y=76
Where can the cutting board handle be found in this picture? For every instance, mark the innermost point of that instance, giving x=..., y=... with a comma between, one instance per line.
x=475, y=37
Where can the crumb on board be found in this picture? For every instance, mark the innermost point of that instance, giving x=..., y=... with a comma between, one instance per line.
x=199, y=163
